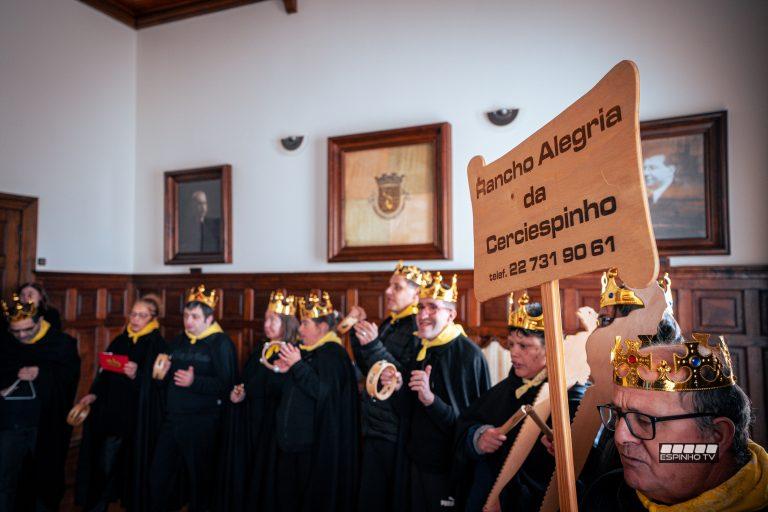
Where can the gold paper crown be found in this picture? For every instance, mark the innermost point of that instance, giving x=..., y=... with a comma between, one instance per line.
x=316, y=310
x=614, y=295
x=19, y=310
x=520, y=318
x=432, y=288
x=282, y=303
x=410, y=272
x=199, y=295
x=703, y=366
x=666, y=285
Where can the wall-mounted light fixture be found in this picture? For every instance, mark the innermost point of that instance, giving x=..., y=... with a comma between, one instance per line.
x=502, y=116
x=292, y=142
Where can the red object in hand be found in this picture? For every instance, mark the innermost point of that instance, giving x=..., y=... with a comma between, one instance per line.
x=112, y=362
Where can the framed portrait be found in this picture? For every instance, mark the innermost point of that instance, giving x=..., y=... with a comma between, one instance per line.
x=389, y=195
x=686, y=178
x=198, y=212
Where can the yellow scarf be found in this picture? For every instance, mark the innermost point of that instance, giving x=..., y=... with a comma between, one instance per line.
x=44, y=327
x=745, y=491
x=331, y=337
x=446, y=336
x=213, y=329
x=151, y=326
x=413, y=309
x=531, y=383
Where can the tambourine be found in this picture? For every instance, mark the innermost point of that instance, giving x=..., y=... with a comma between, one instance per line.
x=372, y=381
x=159, y=371
x=346, y=324
x=77, y=415
x=270, y=350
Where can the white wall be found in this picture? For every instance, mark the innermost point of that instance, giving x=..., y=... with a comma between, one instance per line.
x=67, y=129
x=225, y=87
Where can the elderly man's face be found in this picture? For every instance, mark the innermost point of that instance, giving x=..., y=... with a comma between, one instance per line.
x=657, y=172
x=661, y=482
x=434, y=316
x=200, y=201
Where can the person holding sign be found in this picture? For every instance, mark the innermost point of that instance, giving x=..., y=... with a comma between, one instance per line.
x=39, y=371
x=447, y=375
x=667, y=398
x=395, y=342
x=198, y=377
x=260, y=393
x=481, y=440
x=317, y=433
x=107, y=466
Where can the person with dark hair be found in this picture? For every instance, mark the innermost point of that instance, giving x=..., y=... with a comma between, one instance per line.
x=109, y=460
x=39, y=372
x=316, y=458
x=260, y=394
x=394, y=341
x=447, y=375
x=198, y=374
x=482, y=446
x=681, y=427
x=35, y=293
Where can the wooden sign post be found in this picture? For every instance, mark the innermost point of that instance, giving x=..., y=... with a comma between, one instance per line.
x=568, y=200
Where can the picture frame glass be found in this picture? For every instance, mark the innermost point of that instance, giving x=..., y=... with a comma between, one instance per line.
x=389, y=195
x=200, y=216
x=674, y=172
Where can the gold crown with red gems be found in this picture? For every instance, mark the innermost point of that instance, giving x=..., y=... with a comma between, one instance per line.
x=432, y=288
x=198, y=294
x=19, y=310
x=315, y=309
x=519, y=317
x=282, y=303
x=411, y=272
x=704, y=366
x=614, y=295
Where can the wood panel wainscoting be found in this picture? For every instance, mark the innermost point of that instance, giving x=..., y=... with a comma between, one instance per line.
x=732, y=301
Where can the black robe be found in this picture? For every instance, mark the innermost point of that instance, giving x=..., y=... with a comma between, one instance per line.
x=56, y=384
x=317, y=419
x=459, y=377
x=526, y=490
x=115, y=413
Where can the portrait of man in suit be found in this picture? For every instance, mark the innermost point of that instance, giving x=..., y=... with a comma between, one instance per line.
x=200, y=220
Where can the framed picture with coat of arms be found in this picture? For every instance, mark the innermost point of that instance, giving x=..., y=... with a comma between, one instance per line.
x=389, y=195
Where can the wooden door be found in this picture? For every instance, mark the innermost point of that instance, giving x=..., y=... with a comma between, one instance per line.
x=18, y=237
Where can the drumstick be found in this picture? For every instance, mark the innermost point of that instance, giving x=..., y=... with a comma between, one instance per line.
x=513, y=420
x=543, y=426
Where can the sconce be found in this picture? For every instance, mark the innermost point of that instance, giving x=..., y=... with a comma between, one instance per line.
x=292, y=142
x=502, y=116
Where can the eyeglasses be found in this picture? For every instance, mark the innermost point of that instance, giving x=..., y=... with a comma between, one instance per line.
x=430, y=308
x=640, y=425
x=141, y=315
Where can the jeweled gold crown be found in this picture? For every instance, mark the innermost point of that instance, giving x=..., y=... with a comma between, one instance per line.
x=702, y=367
x=199, y=294
x=410, y=272
x=432, y=288
x=315, y=309
x=666, y=285
x=18, y=310
x=282, y=303
x=519, y=317
x=614, y=295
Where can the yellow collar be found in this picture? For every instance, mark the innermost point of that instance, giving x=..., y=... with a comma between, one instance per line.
x=44, y=327
x=213, y=329
x=151, y=326
x=531, y=383
x=413, y=309
x=447, y=335
x=331, y=337
x=745, y=491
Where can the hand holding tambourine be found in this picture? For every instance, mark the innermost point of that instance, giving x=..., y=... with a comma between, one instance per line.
x=77, y=415
x=270, y=353
x=383, y=379
x=356, y=314
x=161, y=366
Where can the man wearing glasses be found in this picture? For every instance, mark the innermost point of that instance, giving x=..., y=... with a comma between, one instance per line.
x=681, y=427
x=39, y=371
x=448, y=374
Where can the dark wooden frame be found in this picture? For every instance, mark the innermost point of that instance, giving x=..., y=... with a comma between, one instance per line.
x=714, y=127
x=173, y=256
x=440, y=136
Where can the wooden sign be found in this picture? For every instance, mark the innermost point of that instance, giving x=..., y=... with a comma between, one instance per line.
x=568, y=200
